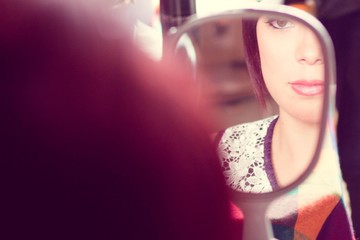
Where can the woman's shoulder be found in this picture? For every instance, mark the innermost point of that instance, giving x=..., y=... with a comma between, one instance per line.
x=241, y=150
x=246, y=131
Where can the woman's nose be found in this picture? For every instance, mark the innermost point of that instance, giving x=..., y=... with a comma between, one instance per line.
x=309, y=50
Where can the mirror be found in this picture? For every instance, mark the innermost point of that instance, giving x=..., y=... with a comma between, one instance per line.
x=263, y=72
x=263, y=79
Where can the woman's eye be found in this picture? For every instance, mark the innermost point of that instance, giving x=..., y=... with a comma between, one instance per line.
x=280, y=23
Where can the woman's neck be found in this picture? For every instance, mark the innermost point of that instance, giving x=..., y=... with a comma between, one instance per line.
x=293, y=146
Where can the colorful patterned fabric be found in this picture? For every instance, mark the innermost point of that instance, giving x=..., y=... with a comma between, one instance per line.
x=313, y=210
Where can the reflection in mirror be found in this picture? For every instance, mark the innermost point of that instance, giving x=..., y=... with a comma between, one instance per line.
x=263, y=79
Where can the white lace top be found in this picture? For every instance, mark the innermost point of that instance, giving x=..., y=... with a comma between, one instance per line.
x=245, y=151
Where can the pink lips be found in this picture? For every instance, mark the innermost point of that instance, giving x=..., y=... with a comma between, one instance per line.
x=308, y=88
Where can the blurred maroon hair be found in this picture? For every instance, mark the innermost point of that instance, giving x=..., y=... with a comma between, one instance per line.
x=98, y=142
x=252, y=57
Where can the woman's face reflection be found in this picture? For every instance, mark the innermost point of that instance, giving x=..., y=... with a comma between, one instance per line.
x=292, y=66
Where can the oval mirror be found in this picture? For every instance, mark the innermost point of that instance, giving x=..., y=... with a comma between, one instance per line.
x=264, y=74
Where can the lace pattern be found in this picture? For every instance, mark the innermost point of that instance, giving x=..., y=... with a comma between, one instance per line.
x=241, y=150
